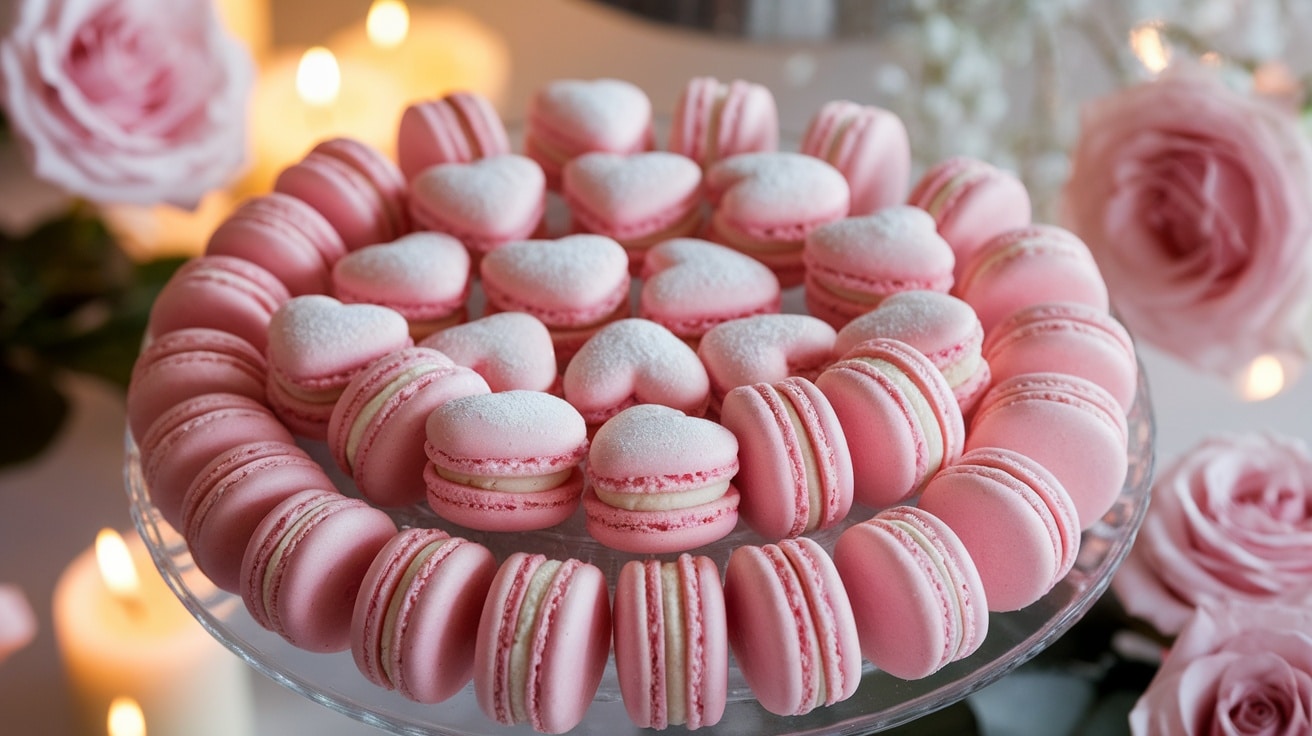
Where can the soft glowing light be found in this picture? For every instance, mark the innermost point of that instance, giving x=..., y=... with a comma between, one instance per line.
x=126, y=718
x=116, y=568
x=318, y=78
x=1264, y=378
x=388, y=23
x=1150, y=46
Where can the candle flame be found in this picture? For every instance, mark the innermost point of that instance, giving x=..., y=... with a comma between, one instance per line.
x=1150, y=46
x=388, y=23
x=126, y=718
x=116, y=568
x=1264, y=378
x=318, y=78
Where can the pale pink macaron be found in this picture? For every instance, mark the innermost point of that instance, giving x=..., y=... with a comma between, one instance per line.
x=1066, y=337
x=458, y=127
x=316, y=346
x=714, y=120
x=671, y=645
x=510, y=350
x=231, y=496
x=484, y=203
x=939, y=325
x=354, y=186
x=376, y=431
x=189, y=362
x=284, y=235
x=659, y=481
x=424, y=277
x=506, y=461
x=416, y=615
x=1031, y=265
x=639, y=199
x=869, y=145
x=763, y=349
x=854, y=263
x=305, y=562
x=1014, y=518
x=792, y=628
x=972, y=201
x=574, y=285
x=571, y=117
x=691, y=285
x=635, y=361
x=897, y=409
x=543, y=642
x=765, y=204
x=795, y=468
x=223, y=293
x=1070, y=426
x=917, y=595
x=184, y=439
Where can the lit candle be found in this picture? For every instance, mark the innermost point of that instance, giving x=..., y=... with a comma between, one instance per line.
x=123, y=635
x=125, y=718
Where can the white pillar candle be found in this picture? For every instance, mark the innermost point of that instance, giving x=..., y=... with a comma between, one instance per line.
x=136, y=640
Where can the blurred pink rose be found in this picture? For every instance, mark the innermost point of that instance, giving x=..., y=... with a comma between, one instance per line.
x=1197, y=203
x=1238, y=669
x=127, y=101
x=1231, y=519
x=17, y=622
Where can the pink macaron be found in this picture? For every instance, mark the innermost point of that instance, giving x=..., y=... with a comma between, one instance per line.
x=304, y=564
x=189, y=362
x=222, y=293
x=456, y=128
x=543, y=642
x=671, y=646
x=424, y=277
x=284, y=235
x=1031, y=265
x=357, y=189
x=854, y=263
x=635, y=361
x=231, y=496
x=1070, y=426
x=714, y=120
x=972, y=201
x=917, y=595
x=869, y=145
x=376, y=431
x=416, y=615
x=316, y=346
x=510, y=350
x=791, y=626
x=505, y=462
x=659, y=481
x=571, y=117
x=1014, y=518
x=765, y=204
x=764, y=349
x=1066, y=337
x=691, y=285
x=899, y=413
x=795, y=473
x=484, y=203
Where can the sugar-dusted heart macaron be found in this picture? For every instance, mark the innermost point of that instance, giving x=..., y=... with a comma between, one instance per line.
x=483, y=203
x=691, y=285
x=659, y=481
x=570, y=117
x=422, y=276
x=510, y=350
x=764, y=349
x=635, y=361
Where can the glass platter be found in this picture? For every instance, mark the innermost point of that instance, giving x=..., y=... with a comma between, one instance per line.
x=881, y=701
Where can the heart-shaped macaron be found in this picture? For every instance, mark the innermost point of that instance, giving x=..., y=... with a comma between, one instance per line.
x=424, y=276
x=317, y=338
x=671, y=447
x=622, y=196
x=483, y=203
x=571, y=281
x=635, y=361
x=765, y=348
x=691, y=285
x=610, y=113
x=510, y=350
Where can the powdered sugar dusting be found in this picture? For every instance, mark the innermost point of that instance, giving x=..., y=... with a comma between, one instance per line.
x=613, y=113
x=314, y=335
x=508, y=424
x=894, y=240
x=765, y=348
x=636, y=358
x=775, y=187
x=574, y=271
x=509, y=349
x=636, y=186
x=492, y=194
x=417, y=267
x=691, y=275
x=652, y=440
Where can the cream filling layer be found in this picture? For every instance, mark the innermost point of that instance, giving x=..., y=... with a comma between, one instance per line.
x=508, y=484
x=950, y=190
x=663, y=501
x=711, y=133
x=676, y=665
x=521, y=647
x=961, y=371
x=920, y=409
x=372, y=407
x=387, y=642
x=812, y=472
x=308, y=517
x=946, y=585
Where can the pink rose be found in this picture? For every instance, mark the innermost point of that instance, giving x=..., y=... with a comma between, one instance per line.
x=1230, y=520
x=1197, y=203
x=127, y=101
x=1236, y=669
x=17, y=622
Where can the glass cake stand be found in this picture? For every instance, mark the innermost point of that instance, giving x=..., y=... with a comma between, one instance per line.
x=881, y=701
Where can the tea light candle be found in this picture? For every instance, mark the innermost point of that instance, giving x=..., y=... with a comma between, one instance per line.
x=122, y=634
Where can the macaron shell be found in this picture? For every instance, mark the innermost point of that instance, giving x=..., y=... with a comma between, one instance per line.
x=869, y=145
x=501, y=511
x=764, y=349
x=224, y=293
x=660, y=532
x=512, y=434
x=678, y=452
x=635, y=361
x=484, y=203
x=690, y=285
x=284, y=235
x=510, y=350
x=972, y=201
x=572, y=282
x=423, y=276
x=865, y=259
x=636, y=198
x=343, y=195
x=460, y=127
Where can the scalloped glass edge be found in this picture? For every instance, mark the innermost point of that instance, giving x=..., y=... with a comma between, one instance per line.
x=881, y=701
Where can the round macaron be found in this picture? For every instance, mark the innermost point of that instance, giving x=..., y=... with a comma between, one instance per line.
x=763, y=349
x=424, y=277
x=691, y=285
x=506, y=461
x=305, y=562
x=223, y=293
x=972, y=201
x=869, y=145
x=543, y=642
x=791, y=626
x=714, y=120
x=510, y=350
x=357, y=189
x=416, y=615
x=456, y=128
x=285, y=236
